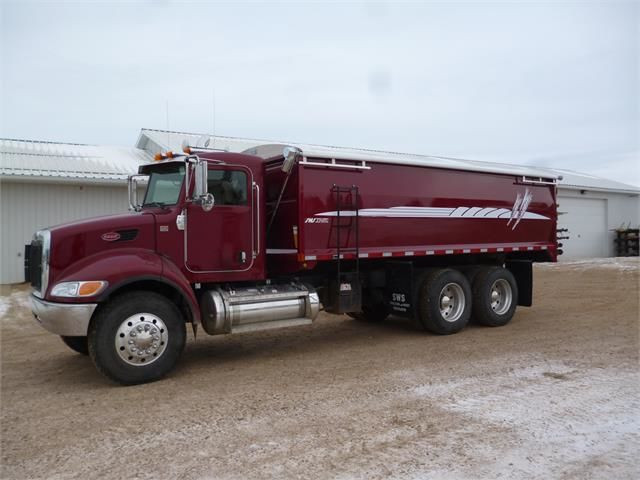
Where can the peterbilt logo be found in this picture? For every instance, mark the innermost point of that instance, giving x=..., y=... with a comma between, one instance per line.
x=110, y=236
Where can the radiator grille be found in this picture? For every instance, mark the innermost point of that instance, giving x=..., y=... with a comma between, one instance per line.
x=33, y=264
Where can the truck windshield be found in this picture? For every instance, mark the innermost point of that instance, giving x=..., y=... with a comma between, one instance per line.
x=164, y=186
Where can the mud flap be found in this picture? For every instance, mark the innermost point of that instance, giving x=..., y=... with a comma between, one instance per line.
x=345, y=295
x=523, y=272
x=399, y=290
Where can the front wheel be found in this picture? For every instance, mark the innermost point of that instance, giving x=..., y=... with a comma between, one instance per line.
x=137, y=338
x=77, y=344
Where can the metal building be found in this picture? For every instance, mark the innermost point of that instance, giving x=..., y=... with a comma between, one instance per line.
x=45, y=183
x=592, y=209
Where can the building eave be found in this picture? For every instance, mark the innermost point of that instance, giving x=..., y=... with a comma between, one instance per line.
x=587, y=188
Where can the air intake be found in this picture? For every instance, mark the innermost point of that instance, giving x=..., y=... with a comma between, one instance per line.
x=127, y=235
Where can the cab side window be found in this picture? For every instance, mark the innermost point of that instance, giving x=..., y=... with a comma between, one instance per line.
x=228, y=187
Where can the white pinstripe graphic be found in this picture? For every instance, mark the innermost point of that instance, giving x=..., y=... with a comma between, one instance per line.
x=436, y=212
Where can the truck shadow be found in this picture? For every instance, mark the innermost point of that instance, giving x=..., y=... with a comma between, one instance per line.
x=335, y=335
x=330, y=336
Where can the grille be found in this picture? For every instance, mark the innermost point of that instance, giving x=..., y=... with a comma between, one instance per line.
x=33, y=264
x=127, y=235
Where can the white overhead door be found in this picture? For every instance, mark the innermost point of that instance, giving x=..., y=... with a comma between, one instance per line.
x=586, y=219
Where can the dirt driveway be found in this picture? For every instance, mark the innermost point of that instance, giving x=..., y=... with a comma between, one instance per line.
x=555, y=394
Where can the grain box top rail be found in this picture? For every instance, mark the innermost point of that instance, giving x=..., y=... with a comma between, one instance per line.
x=269, y=151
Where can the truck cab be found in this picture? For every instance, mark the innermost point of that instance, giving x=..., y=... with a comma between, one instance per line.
x=208, y=214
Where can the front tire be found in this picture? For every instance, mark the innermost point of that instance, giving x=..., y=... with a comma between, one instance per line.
x=495, y=296
x=77, y=344
x=137, y=338
x=444, y=301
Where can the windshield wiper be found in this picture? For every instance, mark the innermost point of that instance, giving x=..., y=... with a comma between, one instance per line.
x=157, y=204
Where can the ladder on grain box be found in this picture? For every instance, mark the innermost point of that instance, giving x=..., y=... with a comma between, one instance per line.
x=345, y=291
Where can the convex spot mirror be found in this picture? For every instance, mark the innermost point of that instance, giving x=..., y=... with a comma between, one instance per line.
x=207, y=201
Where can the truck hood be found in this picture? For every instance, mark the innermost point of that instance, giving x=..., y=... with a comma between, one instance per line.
x=73, y=241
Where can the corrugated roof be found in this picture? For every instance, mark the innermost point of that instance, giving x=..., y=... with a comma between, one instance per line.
x=68, y=161
x=584, y=181
x=155, y=140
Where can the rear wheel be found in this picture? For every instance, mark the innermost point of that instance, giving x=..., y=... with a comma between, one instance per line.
x=495, y=296
x=77, y=344
x=137, y=338
x=444, y=301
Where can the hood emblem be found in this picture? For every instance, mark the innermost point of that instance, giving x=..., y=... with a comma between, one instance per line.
x=110, y=236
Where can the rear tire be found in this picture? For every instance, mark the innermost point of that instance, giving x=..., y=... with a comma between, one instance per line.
x=495, y=296
x=77, y=344
x=444, y=301
x=137, y=338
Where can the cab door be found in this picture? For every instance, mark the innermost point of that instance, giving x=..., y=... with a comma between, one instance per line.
x=222, y=239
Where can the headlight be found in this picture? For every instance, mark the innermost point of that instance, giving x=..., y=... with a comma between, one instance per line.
x=78, y=289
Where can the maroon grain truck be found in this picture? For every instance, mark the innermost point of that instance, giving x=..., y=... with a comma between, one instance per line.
x=239, y=242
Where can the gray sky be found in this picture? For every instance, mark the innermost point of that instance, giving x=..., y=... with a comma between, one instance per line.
x=546, y=83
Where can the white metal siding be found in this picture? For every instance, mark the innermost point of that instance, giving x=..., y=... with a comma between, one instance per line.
x=27, y=207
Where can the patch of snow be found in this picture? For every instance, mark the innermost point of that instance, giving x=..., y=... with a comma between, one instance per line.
x=17, y=299
x=5, y=304
x=560, y=418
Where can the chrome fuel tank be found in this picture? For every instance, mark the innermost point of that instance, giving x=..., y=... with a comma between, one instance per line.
x=258, y=308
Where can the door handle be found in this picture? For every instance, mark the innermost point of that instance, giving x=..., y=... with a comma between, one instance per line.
x=243, y=257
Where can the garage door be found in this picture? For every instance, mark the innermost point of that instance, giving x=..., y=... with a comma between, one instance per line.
x=586, y=219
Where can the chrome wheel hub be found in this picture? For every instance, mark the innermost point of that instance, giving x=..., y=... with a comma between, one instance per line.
x=452, y=302
x=501, y=296
x=141, y=339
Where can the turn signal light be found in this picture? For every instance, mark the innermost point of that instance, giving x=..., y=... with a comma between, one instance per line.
x=89, y=288
x=158, y=157
x=187, y=150
x=169, y=154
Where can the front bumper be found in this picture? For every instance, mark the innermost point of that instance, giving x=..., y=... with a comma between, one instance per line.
x=68, y=319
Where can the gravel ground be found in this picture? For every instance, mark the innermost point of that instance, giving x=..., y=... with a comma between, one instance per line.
x=555, y=394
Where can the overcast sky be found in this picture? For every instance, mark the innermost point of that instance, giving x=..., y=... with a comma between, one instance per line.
x=546, y=83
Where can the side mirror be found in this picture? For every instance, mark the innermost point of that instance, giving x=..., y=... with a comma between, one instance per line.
x=132, y=185
x=290, y=154
x=200, y=187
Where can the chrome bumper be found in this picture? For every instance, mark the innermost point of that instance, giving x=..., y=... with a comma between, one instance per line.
x=68, y=319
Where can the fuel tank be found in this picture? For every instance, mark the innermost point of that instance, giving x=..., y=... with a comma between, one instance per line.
x=228, y=310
